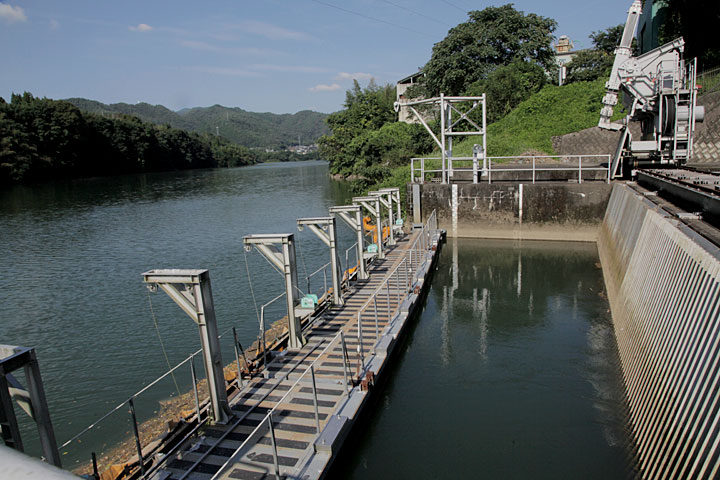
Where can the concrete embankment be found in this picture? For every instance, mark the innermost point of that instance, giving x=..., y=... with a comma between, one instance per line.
x=664, y=292
x=541, y=211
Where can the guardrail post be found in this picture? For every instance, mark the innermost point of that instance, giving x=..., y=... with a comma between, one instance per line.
x=195, y=388
x=533, y=159
x=237, y=359
x=274, y=446
x=580, y=169
x=137, y=435
x=315, y=399
x=387, y=292
x=377, y=329
x=360, y=342
x=345, y=361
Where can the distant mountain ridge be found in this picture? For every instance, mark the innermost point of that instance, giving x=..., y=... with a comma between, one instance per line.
x=251, y=129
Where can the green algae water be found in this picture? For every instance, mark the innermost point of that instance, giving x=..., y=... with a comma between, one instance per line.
x=510, y=371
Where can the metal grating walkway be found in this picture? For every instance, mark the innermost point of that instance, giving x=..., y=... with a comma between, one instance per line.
x=278, y=420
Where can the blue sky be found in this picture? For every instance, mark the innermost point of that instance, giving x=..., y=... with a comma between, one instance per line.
x=268, y=55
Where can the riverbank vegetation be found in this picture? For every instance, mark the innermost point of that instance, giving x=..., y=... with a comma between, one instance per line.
x=42, y=139
x=499, y=51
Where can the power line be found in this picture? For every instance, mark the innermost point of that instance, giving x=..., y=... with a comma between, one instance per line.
x=416, y=13
x=372, y=18
x=453, y=5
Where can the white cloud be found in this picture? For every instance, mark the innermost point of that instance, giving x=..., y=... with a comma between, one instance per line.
x=325, y=88
x=10, y=14
x=353, y=76
x=141, y=27
x=273, y=32
x=54, y=24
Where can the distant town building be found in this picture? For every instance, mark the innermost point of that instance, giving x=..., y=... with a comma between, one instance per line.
x=404, y=114
x=564, y=54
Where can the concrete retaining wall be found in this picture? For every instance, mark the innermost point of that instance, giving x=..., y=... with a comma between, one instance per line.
x=664, y=291
x=542, y=211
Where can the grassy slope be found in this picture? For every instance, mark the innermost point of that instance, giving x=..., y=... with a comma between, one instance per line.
x=531, y=125
x=550, y=112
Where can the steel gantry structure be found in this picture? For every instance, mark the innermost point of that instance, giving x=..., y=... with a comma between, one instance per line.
x=191, y=291
x=462, y=107
x=324, y=228
x=352, y=216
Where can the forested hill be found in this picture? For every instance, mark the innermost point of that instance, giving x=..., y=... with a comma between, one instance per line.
x=250, y=129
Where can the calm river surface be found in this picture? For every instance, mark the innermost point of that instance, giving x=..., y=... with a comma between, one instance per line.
x=508, y=373
x=72, y=259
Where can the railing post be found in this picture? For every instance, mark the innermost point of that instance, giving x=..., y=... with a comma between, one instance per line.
x=533, y=158
x=397, y=282
x=137, y=436
x=360, y=342
x=345, y=360
x=195, y=388
x=407, y=284
x=315, y=399
x=377, y=328
x=387, y=291
x=580, y=169
x=237, y=359
x=274, y=446
x=609, y=168
x=262, y=335
x=325, y=280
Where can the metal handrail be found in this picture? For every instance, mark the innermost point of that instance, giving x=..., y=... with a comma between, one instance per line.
x=409, y=265
x=487, y=167
x=268, y=416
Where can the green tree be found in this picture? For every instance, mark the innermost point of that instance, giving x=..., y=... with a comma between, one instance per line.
x=508, y=86
x=697, y=22
x=491, y=38
x=365, y=109
x=591, y=64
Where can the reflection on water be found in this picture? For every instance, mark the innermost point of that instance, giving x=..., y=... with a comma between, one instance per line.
x=73, y=253
x=509, y=372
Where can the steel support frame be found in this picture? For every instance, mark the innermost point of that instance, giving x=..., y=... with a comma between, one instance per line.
x=317, y=225
x=394, y=197
x=279, y=250
x=372, y=205
x=191, y=291
x=448, y=105
x=344, y=212
x=386, y=201
x=32, y=400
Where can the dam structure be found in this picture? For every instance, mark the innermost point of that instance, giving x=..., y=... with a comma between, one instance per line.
x=659, y=246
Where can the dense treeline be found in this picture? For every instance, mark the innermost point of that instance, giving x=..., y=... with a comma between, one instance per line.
x=44, y=139
x=366, y=141
x=251, y=129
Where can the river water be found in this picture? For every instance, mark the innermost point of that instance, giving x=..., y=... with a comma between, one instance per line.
x=508, y=373
x=73, y=254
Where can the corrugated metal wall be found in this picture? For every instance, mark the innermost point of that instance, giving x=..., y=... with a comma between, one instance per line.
x=664, y=291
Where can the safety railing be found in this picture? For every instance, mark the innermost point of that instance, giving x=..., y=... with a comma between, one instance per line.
x=396, y=285
x=194, y=401
x=324, y=270
x=708, y=81
x=482, y=168
x=267, y=424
